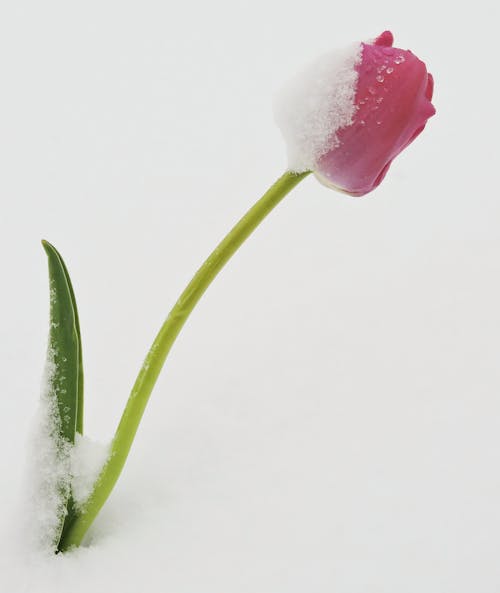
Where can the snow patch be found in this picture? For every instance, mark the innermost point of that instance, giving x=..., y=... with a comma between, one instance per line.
x=56, y=468
x=50, y=466
x=315, y=104
x=87, y=459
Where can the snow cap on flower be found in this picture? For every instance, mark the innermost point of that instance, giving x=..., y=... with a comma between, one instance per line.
x=352, y=112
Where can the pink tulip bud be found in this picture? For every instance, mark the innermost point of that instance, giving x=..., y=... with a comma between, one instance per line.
x=390, y=103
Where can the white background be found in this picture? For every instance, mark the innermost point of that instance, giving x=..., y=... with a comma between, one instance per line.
x=329, y=419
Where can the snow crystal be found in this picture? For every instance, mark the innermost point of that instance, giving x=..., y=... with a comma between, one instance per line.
x=87, y=459
x=315, y=104
x=49, y=466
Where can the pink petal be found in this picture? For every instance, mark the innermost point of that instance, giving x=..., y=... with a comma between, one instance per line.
x=392, y=107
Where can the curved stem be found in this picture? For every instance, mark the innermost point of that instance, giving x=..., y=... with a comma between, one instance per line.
x=155, y=359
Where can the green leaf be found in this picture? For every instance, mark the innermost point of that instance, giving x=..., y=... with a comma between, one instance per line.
x=79, y=411
x=66, y=352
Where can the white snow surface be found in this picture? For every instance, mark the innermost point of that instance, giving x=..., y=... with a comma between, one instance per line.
x=315, y=104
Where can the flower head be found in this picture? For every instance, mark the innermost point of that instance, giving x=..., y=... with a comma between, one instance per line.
x=366, y=120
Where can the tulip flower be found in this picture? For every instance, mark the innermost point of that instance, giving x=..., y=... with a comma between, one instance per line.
x=352, y=113
x=393, y=104
x=345, y=120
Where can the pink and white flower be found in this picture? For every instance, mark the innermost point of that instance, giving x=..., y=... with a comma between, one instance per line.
x=384, y=107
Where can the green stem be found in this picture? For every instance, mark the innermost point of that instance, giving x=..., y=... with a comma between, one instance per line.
x=155, y=359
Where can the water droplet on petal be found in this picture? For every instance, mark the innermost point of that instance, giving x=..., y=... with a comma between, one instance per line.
x=390, y=70
x=378, y=122
x=399, y=59
x=371, y=90
x=380, y=99
x=379, y=78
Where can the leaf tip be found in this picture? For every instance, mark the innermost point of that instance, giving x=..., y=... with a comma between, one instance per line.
x=49, y=248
